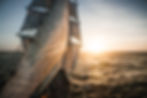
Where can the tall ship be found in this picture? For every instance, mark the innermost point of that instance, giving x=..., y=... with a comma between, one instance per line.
x=51, y=41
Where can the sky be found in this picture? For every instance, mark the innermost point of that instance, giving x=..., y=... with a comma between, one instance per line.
x=11, y=19
x=106, y=25
x=111, y=25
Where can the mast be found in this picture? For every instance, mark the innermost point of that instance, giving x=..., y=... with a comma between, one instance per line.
x=74, y=42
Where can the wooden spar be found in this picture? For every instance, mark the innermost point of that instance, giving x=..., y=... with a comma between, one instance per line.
x=42, y=55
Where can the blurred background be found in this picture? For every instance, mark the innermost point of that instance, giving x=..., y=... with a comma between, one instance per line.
x=113, y=55
x=106, y=25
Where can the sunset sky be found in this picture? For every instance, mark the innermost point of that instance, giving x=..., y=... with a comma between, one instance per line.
x=106, y=25
x=114, y=24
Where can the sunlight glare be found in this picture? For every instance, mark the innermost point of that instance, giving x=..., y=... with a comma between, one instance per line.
x=95, y=46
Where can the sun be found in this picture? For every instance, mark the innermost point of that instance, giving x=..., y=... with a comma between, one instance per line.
x=95, y=46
